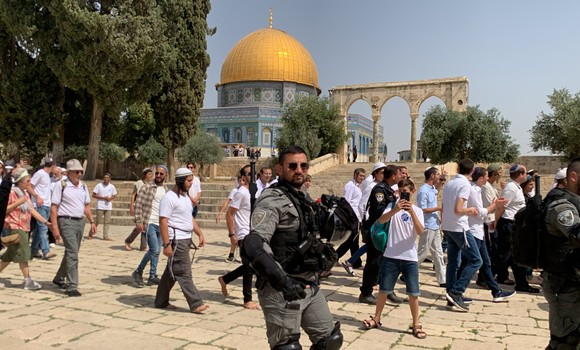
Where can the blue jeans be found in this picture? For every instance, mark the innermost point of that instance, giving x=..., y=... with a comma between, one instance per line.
x=461, y=245
x=360, y=252
x=40, y=236
x=390, y=270
x=485, y=273
x=154, y=241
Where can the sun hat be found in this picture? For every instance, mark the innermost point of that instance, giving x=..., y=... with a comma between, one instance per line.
x=74, y=165
x=378, y=166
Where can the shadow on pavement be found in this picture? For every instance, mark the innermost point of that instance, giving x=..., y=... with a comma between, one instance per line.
x=118, y=280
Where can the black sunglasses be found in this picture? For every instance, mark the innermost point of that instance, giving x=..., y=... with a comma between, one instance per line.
x=294, y=166
x=158, y=173
x=79, y=172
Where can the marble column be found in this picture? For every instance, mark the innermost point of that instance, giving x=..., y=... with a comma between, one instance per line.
x=414, y=117
x=374, y=157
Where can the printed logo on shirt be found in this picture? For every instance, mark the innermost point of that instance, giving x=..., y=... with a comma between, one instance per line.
x=379, y=196
x=405, y=217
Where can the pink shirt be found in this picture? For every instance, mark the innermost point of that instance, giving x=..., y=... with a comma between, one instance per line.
x=17, y=219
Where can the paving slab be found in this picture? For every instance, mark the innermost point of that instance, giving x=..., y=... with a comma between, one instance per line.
x=113, y=314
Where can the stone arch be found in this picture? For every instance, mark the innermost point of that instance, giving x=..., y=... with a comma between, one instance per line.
x=452, y=91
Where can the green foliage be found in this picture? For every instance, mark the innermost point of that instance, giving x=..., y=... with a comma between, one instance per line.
x=152, y=152
x=178, y=105
x=313, y=124
x=559, y=131
x=202, y=148
x=138, y=126
x=29, y=96
x=481, y=136
x=111, y=151
x=77, y=152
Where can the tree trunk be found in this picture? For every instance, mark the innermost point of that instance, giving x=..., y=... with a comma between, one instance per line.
x=170, y=163
x=94, y=140
x=58, y=143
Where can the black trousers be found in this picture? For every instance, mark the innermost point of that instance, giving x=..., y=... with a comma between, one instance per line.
x=350, y=244
x=244, y=271
x=504, y=255
x=371, y=270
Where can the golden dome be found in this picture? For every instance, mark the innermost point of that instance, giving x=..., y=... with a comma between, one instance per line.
x=269, y=54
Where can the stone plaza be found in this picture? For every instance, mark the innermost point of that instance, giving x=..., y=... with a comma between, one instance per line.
x=113, y=314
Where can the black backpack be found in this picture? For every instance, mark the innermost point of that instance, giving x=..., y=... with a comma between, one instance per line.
x=527, y=231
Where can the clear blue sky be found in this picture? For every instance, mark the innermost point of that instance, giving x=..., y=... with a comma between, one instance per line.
x=514, y=53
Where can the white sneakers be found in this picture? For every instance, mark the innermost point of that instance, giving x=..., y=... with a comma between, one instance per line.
x=29, y=284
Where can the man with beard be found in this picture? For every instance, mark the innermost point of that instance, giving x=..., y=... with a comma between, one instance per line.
x=279, y=248
x=176, y=225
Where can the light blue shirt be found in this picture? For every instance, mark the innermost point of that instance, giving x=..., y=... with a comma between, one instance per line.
x=427, y=198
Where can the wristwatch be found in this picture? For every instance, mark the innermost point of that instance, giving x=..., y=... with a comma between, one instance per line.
x=165, y=245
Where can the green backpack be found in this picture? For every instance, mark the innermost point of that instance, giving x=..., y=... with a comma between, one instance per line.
x=380, y=233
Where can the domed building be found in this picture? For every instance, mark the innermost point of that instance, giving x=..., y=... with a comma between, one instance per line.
x=262, y=72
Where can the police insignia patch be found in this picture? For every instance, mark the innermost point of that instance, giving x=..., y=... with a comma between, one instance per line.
x=379, y=196
x=258, y=217
x=566, y=218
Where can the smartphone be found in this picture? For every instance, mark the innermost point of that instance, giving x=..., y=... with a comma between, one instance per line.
x=406, y=196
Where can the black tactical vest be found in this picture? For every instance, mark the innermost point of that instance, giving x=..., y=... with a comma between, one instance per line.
x=560, y=255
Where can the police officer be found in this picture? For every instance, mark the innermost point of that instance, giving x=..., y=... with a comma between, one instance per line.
x=560, y=260
x=277, y=248
x=381, y=195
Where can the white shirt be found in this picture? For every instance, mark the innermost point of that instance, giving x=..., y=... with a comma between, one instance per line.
x=458, y=187
x=195, y=188
x=476, y=222
x=178, y=211
x=232, y=193
x=261, y=187
x=488, y=194
x=72, y=200
x=362, y=205
x=353, y=195
x=241, y=202
x=154, y=217
x=105, y=191
x=137, y=186
x=367, y=181
x=41, y=183
x=514, y=195
x=402, y=242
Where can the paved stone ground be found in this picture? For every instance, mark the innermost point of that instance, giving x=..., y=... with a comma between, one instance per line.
x=112, y=314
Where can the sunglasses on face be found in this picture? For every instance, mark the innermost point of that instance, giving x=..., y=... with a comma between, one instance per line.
x=158, y=173
x=294, y=166
x=79, y=172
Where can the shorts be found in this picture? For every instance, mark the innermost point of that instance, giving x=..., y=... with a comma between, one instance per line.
x=390, y=270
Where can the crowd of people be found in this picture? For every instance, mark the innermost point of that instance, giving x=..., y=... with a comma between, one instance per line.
x=467, y=231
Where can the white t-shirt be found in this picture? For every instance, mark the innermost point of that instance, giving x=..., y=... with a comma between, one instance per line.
x=72, y=200
x=402, y=243
x=241, y=202
x=458, y=187
x=261, y=187
x=367, y=181
x=154, y=217
x=476, y=222
x=195, y=188
x=178, y=210
x=105, y=191
x=232, y=193
x=362, y=204
x=353, y=195
x=41, y=183
x=514, y=195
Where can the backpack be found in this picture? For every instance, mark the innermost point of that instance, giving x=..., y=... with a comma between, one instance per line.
x=380, y=233
x=63, y=186
x=527, y=231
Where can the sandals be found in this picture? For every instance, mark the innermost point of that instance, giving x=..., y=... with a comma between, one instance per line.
x=418, y=332
x=372, y=323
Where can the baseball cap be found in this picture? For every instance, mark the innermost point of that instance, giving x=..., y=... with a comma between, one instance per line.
x=493, y=167
x=378, y=166
x=73, y=165
x=183, y=172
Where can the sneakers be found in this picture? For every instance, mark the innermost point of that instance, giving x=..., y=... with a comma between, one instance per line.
x=367, y=299
x=49, y=256
x=73, y=293
x=230, y=259
x=138, y=279
x=394, y=299
x=527, y=289
x=153, y=281
x=457, y=301
x=467, y=300
x=52, y=245
x=502, y=296
x=347, y=267
x=29, y=284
